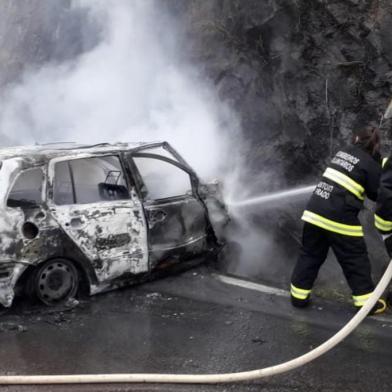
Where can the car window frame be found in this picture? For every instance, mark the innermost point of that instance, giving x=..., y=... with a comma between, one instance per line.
x=139, y=183
x=166, y=146
x=44, y=184
x=51, y=174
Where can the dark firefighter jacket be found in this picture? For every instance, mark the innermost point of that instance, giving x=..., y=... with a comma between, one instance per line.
x=383, y=215
x=352, y=175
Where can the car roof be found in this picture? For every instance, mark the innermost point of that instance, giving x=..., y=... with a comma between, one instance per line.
x=45, y=152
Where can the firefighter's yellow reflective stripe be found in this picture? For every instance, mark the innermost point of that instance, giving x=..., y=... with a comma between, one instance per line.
x=384, y=161
x=359, y=300
x=302, y=291
x=299, y=293
x=327, y=224
x=299, y=296
x=382, y=224
x=346, y=182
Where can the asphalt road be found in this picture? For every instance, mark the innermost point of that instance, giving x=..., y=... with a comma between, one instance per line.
x=194, y=323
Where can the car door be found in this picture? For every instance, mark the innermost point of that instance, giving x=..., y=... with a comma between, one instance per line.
x=91, y=200
x=176, y=217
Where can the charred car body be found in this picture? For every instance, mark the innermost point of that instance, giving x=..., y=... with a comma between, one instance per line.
x=105, y=215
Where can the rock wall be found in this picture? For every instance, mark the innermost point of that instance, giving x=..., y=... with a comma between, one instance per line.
x=301, y=73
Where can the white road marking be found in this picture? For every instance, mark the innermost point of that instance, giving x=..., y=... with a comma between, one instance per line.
x=252, y=286
x=381, y=319
x=274, y=291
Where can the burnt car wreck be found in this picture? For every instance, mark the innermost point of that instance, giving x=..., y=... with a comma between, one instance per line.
x=103, y=216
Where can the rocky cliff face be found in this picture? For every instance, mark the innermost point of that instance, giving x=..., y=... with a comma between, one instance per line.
x=302, y=74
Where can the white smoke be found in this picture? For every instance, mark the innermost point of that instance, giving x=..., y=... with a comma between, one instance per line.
x=133, y=86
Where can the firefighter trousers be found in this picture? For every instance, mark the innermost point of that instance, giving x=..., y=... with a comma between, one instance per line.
x=351, y=253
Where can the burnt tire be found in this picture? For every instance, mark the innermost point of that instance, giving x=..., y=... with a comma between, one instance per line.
x=55, y=282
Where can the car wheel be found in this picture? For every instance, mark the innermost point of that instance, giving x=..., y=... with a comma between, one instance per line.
x=56, y=281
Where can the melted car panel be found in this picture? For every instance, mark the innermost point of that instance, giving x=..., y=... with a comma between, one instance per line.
x=98, y=207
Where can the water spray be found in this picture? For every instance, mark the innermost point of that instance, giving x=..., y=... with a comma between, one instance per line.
x=258, y=200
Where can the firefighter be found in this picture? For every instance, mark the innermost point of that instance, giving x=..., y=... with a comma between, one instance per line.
x=331, y=220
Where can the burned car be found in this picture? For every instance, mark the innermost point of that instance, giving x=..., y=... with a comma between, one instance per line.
x=102, y=216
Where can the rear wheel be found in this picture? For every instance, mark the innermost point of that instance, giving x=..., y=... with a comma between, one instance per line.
x=56, y=281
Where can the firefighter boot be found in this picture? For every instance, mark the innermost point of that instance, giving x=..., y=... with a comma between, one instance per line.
x=300, y=298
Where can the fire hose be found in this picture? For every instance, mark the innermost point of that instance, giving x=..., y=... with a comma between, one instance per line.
x=214, y=378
